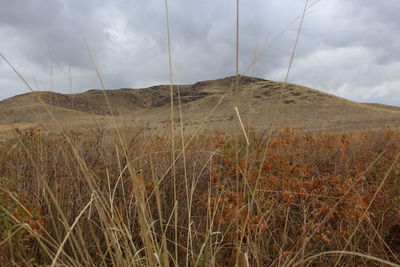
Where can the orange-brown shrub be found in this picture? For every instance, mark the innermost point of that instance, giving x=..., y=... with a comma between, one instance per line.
x=275, y=201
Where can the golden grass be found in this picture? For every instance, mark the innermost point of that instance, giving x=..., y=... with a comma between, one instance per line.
x=310, y=197
x=132, y=196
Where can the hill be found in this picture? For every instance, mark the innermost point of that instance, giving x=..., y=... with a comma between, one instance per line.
x=256, y=99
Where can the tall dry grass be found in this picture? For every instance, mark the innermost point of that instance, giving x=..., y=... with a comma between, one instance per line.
x=134, y=197
x=308, y=199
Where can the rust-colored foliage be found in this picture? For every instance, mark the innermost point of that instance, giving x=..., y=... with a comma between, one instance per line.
x=295, y=196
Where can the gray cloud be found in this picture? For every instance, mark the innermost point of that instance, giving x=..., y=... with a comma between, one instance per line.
x=348, y=48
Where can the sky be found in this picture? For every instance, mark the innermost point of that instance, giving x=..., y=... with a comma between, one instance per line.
x=347, y=48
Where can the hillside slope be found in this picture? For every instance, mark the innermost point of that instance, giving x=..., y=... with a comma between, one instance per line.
x=256, y=99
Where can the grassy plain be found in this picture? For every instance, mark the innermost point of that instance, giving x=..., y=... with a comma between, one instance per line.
x=96, y=198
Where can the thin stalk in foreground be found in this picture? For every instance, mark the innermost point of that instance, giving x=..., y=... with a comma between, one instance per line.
x=311, y=258
x=189, y=245
x=143, y=210
x=237, y=37
x=69, y=232
x=173, y=174
x=280, y=99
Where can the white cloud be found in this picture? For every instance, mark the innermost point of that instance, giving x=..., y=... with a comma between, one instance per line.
x=349, y=72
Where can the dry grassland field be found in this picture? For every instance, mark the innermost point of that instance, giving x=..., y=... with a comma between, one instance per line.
x=235, y=171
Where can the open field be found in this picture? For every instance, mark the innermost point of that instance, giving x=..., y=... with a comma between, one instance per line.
x=94, y=199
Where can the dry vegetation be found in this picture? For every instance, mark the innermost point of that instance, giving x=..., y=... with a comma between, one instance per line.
x=190, y=191
x=301, y=107
x=96, y=199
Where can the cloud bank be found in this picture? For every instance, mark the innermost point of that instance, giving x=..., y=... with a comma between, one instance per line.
x=347, y=48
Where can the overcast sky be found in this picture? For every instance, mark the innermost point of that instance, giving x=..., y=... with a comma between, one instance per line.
x=347, y=48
